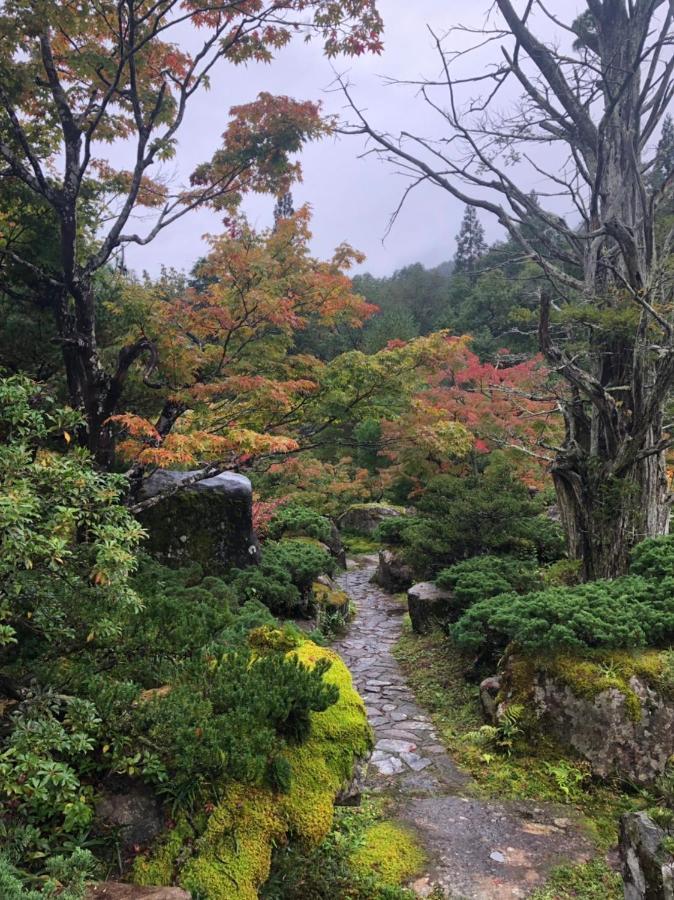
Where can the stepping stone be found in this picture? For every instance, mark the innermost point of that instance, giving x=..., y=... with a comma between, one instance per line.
x=395, y=746
x=390, y=766
x=415, y=762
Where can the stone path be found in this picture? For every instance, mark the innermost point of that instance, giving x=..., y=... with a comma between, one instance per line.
x=478, y=850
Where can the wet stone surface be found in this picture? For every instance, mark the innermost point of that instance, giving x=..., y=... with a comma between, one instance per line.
x=478, y=849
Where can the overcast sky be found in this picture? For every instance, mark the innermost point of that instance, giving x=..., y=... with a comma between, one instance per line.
x=352, y=197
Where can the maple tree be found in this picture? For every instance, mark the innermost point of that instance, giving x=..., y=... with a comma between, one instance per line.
x=79, y=79
x=228, y=383
x=462, y=407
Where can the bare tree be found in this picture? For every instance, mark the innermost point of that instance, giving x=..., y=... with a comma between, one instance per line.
x=75, y=77
x=591, y=102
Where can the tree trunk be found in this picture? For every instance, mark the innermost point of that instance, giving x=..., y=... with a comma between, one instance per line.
x=605, y=516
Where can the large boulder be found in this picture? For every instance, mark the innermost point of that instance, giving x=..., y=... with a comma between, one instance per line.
x=364, y=518
x=393, y=573
x=647, y=866
x=429, y=606
x=621, y=724
x=209, y=522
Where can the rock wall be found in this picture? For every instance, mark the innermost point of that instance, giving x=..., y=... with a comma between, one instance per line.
x=647, y=867
x=209, y=522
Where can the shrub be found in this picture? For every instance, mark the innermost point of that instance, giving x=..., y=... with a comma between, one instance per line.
x=299, y=520
x=654, y=558
x=284, y=577
x=627, y=612
x=489, y=513
x=229, y=717
x=488, y=576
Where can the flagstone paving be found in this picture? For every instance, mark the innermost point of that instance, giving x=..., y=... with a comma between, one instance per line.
x=478, y=849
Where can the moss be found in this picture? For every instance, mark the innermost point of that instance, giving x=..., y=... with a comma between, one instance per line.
x=326, y=596
x=357, y=544
x=159, y=867
x=593, y=880
x=588, y=677
x=391, y=852
x=232, y=857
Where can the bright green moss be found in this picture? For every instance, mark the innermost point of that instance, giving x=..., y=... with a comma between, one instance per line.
x=326, y=596
x=589, y=677
x=390, y=851
x=232, y=857
x=159, y=867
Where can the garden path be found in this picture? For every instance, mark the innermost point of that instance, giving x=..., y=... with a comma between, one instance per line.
x=477, y=849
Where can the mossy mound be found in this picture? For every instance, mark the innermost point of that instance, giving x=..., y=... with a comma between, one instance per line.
x=390, y=851
x=231, y=857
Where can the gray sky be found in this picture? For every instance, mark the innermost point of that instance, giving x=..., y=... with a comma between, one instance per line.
x=352, y=197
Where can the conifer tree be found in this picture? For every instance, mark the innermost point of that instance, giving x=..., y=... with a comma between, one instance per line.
x=470, y=243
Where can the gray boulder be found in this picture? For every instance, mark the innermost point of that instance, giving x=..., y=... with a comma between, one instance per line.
x=429, y=606
x=648, y=869
x=393, y=573
x=364, y=518
x=209, y=522
x=133, y=811
x=489, y=691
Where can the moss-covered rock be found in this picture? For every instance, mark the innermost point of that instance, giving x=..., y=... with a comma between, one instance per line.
x=365, y=518
x=209, y=522
x=231, y=857
x=616, y=710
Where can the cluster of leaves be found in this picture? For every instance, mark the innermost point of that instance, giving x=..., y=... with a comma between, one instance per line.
x=488, y=576
x=457, y=517
x=282, y=581
x=633, y=611
x=299, y=520
x=230, y=716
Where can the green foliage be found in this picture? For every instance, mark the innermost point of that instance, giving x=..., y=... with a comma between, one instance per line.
x=629, y=612
x=332, y=870
x=299, y=520
x=67, y=545
x=593, y=880
x=282, y=581
x=488, y=576
x=66, y=878
x=461, y=517
x=654, y=558
x=229, y=717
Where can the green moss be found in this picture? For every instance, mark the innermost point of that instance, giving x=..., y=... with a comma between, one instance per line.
x=391, y=852
x=588, y=677
x=232, y=857
x=593, y=880
x=159, y=867
x=326, y=596
x=357, y=544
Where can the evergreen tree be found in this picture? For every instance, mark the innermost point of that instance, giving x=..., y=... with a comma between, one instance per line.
x=664, y=157
x=470, y=243
x=284, y=208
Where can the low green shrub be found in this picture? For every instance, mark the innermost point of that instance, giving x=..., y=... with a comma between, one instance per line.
x=229, y=717
x=629, y=612
x=491, y=513
x=283, y=579
x=488, y=576
x=654, y=558
x=299, y=520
